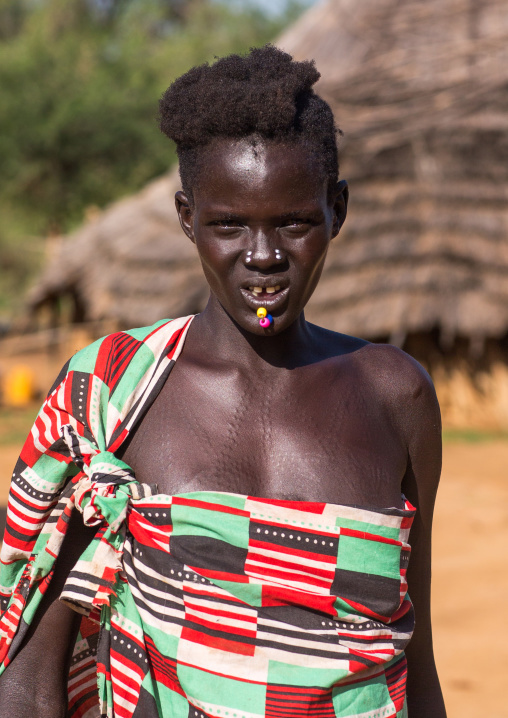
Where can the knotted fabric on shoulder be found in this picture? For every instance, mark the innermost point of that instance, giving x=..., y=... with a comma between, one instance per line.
x=102, y=495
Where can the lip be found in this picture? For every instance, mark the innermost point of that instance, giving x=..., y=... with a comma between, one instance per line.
x=272, y=302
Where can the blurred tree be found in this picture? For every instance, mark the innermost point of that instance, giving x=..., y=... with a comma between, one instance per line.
x=79, y=82
x=12, y=14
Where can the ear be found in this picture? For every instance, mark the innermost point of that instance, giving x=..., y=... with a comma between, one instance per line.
x=184, y=211
x=340, y=206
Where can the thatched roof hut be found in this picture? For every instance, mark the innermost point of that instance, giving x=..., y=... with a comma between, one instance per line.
x=131, y=263
x=421, y=92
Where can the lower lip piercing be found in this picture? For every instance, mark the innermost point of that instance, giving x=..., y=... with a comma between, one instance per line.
x=265, y=319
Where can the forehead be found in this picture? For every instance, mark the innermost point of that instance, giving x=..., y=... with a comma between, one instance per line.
x=251, y=170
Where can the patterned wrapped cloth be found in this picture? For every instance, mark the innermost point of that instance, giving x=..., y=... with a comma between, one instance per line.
x=209, y=604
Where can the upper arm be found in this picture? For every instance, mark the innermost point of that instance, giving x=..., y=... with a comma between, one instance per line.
x=407, y=393
x=421, y=424
x=420, y=484
x=35, y=683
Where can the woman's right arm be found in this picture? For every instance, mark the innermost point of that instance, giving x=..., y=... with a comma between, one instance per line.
x=35, y=683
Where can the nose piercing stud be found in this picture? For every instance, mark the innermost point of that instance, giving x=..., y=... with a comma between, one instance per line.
x=248, y=257
x=278, y=254
x=265, y=319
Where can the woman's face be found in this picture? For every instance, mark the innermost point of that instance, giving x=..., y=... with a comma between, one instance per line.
x=262, y=222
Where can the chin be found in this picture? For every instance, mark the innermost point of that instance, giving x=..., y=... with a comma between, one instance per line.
x=249, y=322
x=278, y=325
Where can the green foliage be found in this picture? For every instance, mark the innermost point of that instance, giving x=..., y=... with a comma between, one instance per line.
x=15, y=424
x=79, y=82
x=472, y=436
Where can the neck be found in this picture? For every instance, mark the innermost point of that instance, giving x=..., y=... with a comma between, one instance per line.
x=216, y=330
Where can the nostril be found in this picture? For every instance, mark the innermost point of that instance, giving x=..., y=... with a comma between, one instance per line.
x=264, y=256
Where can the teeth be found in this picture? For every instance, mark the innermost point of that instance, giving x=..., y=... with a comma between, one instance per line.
x=268, y=290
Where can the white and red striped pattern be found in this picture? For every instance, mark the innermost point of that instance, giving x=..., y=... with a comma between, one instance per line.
x=127, y=674
x=304, y=569
x=234, y=618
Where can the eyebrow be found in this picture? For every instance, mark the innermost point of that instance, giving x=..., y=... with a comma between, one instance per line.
x=237, y=217
x=298, y=213
x=219, y=214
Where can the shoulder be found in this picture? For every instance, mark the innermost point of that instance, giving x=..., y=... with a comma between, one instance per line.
x=407, y=394
x=383, y=366
x=390, y=379
x=108, y=357
x=395, y=373
x=116, y=342
x=405, y=389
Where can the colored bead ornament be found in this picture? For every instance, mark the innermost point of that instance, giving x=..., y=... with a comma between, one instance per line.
x=261, y=312
x=266, y=321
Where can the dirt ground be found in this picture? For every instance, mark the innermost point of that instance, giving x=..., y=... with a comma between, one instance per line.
x=470, y=577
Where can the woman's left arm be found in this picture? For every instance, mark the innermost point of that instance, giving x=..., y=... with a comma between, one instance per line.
x=422, y=426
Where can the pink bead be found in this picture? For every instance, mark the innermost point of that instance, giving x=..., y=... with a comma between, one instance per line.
x=265, y=322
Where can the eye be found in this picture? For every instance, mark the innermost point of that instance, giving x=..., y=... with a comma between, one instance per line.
x=296, y=226
x=227, y=226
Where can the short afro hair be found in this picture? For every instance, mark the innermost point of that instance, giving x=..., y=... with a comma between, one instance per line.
x=264, y=94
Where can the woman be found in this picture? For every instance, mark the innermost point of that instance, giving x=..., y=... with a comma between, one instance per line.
x=246, y=543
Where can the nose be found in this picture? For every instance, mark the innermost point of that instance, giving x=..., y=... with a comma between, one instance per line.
x=263, y=255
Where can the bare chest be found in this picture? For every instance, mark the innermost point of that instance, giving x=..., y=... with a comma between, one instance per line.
x=312, y=438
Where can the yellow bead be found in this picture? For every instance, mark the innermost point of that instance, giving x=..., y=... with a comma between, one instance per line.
x=262, y=312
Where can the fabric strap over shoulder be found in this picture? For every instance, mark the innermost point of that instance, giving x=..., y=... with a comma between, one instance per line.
x=69, y=460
